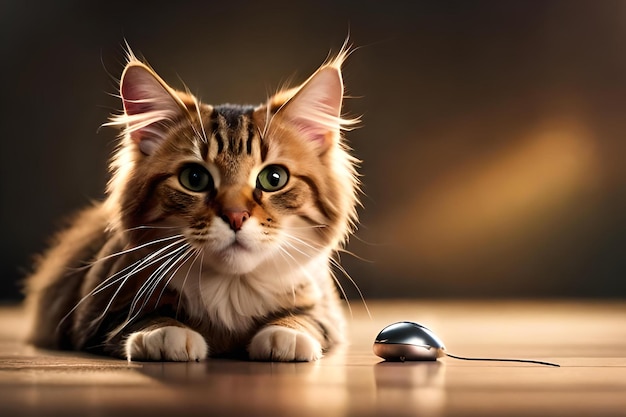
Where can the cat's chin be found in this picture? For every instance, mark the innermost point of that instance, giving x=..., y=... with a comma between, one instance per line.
x=235, y=259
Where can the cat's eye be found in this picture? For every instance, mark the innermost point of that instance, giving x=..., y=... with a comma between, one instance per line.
x=272, y=178
x=195, y=178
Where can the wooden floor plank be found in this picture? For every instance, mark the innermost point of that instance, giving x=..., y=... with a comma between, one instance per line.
x=588, y=339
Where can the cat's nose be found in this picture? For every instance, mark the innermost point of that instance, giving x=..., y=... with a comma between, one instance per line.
x=235, y=218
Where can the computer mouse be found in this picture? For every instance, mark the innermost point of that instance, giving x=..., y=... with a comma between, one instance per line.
x=409, y=341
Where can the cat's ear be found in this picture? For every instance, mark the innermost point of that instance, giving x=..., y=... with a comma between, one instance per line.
x=315, y=109
x=149, y=104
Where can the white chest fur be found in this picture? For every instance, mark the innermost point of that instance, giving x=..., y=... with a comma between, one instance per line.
x=236, y=300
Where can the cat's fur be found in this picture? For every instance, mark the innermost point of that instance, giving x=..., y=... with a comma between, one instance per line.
x=179, y=265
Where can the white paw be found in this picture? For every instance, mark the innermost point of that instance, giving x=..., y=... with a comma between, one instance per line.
x=277, y=343
x=170, y=343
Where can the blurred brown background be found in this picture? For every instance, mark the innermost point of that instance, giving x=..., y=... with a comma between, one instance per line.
x=492, y=138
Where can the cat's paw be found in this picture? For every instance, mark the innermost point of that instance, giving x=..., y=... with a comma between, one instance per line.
x=169, y=343
x=277, y=343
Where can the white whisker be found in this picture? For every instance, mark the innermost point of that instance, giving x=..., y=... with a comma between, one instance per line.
x=313, y=226
x=306, y=273
x=200, y=275
x=335, y=263
x=305, y=243
x=343, y=292
x=182, y=286
x=133, y=249
x=143, y=264
x=288, y=257
x=150, y=285
x=145, y=227
x=135, y=267
x=182, y=260
x=300, y=251
x=345, y=273
x=197, y=105
x=354, y=255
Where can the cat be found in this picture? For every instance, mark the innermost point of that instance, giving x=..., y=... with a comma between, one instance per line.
x=218, y=233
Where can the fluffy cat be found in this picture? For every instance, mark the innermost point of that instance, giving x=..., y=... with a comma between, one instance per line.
x=217, y=234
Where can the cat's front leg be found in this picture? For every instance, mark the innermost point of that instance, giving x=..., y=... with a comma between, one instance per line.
x=288, y=340
x=165, y=342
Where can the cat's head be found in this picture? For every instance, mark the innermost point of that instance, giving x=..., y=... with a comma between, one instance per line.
x=242, y=184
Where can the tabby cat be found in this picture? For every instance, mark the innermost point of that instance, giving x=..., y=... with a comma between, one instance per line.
x=218, y=233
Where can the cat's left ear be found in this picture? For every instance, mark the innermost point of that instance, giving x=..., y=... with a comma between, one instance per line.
x=315, y=109
x=149, y=104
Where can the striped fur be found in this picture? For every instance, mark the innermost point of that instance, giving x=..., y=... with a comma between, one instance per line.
x=196, y=251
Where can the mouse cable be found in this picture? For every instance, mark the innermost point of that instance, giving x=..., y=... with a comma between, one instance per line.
x=503, y=360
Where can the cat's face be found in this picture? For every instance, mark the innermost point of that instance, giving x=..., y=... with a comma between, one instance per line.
x=244, y=186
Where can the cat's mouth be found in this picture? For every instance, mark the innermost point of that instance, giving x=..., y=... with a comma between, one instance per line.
x=237, y=245
x=235, y=257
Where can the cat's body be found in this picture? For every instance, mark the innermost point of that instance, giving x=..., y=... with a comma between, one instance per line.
x=217, y=234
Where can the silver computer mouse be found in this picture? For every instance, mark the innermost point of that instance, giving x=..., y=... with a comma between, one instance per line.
x=408, y=341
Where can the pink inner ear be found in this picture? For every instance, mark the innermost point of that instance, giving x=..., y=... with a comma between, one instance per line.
x=315, y=110
x=147, y=103
x=311, y=131
x=137, y=92
x=132, y=106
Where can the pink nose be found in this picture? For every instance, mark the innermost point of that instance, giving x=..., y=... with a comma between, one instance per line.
x=235, y=218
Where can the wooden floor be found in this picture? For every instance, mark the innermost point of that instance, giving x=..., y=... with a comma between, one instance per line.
x=588, y=339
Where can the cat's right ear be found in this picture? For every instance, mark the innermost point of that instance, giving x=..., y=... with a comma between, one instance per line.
x=149, y=104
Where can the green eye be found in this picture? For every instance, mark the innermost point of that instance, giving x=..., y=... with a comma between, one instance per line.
x=195, y=178
x=272, y=178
